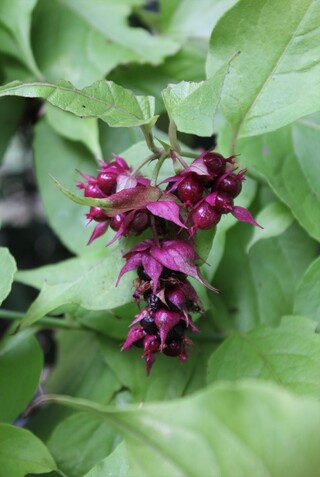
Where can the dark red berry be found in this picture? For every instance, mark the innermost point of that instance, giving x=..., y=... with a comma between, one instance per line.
x=92, y=190
x=173, y=348
x=98, y=214
x=223, y=203
x=204, y=216
x=107, y=182
x=139, y=222
x=177, y=331
x=190, y=189
x=151, y=344
x=115, y=222
x=230, y=185
x=149, y=325
x=215, y=163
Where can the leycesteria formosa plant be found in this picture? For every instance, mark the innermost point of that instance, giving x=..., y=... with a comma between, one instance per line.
x=172, y=212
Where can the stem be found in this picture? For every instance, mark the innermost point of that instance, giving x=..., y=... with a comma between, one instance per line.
x=45, y=322
x=158, y=166
x=176, y=155
x=154, y=230
x=193, y=155
x=149, y=140
x=145, y=161
x=173, y=136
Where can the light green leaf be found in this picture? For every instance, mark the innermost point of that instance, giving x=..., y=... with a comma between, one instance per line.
x=288, y=355
x=307, y=298
x=15, y=20
x=116, y=464
x=88, y=281
x=21, y=363
x=236, y=417
x=22, y=453
x=288, y=160
x=106, y=100
x=187, y=18
x=279, y=62
x=193, y=106
x=275, y=219
x=76, y=129
x=79, y=441
x=8, y=269
x=259, y=287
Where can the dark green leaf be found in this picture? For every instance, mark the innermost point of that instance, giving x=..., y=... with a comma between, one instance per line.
x=11, y=110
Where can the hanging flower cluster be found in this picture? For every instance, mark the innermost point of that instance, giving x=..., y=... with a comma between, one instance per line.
x=194, y=199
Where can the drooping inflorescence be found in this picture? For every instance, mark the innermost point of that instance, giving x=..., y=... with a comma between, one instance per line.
x=196, y=198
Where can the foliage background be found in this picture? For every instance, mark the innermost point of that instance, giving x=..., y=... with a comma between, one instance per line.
x=247, y=401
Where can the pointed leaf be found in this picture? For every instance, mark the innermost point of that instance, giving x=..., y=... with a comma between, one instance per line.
x=8, y=269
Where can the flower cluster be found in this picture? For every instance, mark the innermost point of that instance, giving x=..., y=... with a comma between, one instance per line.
x=194, y=199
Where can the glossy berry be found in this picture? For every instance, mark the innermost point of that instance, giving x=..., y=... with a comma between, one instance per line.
x=215, y=163
x=92, y=190
x=98, y=214
x=190, y=189
x=173, y=348
x=153, y=301
x=115, y=222
x=223, y=203
x=231, y=185
x=148, y=325
x=107, y=182
x=139, y=222
x=204, y=216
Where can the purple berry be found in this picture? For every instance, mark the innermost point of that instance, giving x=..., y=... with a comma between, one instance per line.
x=107, y=182
x=148, y=325
x=223, y=203
x=139, y=222
x=115, y=222
x=204, y=216
x=92, y=190
x=231, y=185
x=215, y=163
x=173, y=348
x=98, y=214
x=190, y=189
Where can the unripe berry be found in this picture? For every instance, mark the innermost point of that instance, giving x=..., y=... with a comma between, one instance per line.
x=107, y=182
x=98, y=214
x=190, y=189
x=231, y=185
x=204, y=216
x=223, y=203
x=215, y=163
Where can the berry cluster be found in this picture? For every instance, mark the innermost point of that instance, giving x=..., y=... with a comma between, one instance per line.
x=194, y=199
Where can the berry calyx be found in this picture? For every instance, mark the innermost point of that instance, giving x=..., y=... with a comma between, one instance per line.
x=205, y=216
x=215, y=163
x=190, y=189
x=231, y=185
x=107, y=182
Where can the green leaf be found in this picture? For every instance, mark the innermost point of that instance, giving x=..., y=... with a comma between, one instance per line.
x=116, y=464
x=88, y=281
x=8, y=269
x=288, y=355
x=22, y=453
x=236, y=417
x=11, y=110
x=15, y=20
x=193, y=106
x=79, y=441
x=288, y=160
x=76, y=129
x=266, y=86
x=307, y=299
x=106, y=100
x=187, y=18
x=275, y=219
x=258, y=287
x=21, y=363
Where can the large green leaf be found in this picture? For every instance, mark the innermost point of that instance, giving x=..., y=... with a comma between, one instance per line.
x=288, y=160
x=88, y=281
x=279, y=61
x=193, y=106
x=21, y=363
x=104, y=40
x=79, y=441
x=116, y=464
x=258, y=287
x=11, y=110
x=106, y=100
x=22, y=453
x=245, y=429
x=307, y=298
x=288, y=355
x=8, y=269
x=185, y=18
x=15, y=20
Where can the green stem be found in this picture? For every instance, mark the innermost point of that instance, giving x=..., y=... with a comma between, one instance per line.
x=149, y=140
x=193, y=155
x=173, y=136
x=145, y=161
x=158, y=166
x=45, y=322
x=176, y=155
